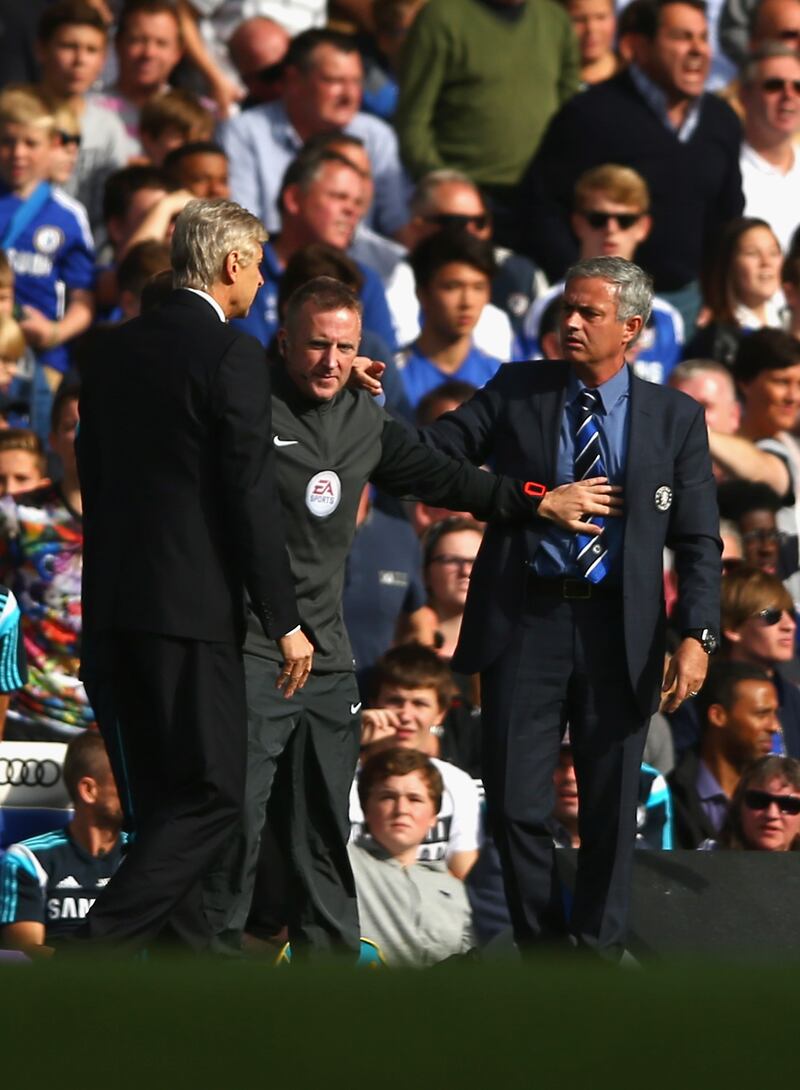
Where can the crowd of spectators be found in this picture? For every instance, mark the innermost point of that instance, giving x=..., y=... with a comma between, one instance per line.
x=448, y=160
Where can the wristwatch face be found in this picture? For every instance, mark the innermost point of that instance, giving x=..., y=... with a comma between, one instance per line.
x=709, y=641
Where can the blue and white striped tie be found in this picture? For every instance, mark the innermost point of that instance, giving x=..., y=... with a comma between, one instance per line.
x=592, y=549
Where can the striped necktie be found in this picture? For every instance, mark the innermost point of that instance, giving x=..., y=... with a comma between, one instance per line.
x=592, y=549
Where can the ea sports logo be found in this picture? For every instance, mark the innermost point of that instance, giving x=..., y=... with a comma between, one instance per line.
x=323, y=493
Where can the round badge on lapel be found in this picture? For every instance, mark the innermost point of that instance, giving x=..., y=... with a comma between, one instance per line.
x=663, y=497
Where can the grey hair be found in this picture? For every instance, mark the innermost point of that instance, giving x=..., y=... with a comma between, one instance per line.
x=689, y=369
x=205, y=233
x=634, y=286
x=422, y=198
x=766, y=51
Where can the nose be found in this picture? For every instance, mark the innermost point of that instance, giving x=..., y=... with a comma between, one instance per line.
x=400, y=806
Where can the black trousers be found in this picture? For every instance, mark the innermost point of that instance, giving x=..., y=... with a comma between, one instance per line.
x=173, y=716
x=566, y=664
x=301, y=759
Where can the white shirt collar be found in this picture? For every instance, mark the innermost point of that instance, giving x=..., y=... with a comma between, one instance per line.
x=760, y=163
x=211, y=300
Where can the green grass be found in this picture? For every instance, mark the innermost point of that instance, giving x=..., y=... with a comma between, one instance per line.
x=499, y=1026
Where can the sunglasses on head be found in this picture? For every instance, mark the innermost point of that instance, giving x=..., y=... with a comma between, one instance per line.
x=775, y=85
x=770, y=616
x=602, y=219
x=762, y=800
x=70, y=138
x=271, y=73
x=451, y=219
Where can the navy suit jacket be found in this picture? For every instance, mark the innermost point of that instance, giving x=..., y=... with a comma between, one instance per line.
x=514, y=421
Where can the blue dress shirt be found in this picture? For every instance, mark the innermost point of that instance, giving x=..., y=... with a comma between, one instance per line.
x=261, y=143
x=558, y=548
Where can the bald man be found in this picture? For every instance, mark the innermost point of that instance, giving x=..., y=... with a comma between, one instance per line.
x=257, y=48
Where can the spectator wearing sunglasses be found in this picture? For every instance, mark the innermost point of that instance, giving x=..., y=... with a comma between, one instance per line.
x=758, y=629
x=738, y=708
x=769, y=162
x=447, y=200
x=611, y=218
x=256, y=49
x=753, y=507
x=764, y=814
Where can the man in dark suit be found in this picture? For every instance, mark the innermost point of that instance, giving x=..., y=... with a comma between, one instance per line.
x=181, y=514
x=565, y=620
x=656, y=117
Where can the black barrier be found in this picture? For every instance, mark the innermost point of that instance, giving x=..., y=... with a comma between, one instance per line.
x=720, y=902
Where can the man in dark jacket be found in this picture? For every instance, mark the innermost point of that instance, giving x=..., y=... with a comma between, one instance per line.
x=178, y=521
x=656, y=118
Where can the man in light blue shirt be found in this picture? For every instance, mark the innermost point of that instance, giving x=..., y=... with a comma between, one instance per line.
x=322, y=93
x=558, y=548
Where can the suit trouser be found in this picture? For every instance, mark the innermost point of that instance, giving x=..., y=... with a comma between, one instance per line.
x=565, y=664
x=173, y=716
x=301, y=759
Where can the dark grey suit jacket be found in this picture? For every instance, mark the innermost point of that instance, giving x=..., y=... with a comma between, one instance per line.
x=177, y=468
x=514, y=424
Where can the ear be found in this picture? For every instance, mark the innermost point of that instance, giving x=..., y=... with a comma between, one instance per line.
x=632, y=327
x=87, y=790
x=283, y=341
x=114, y=229
x=638, y=47
x=732, y=635
x=550, y=345
x=291, y=199
x=576, y=222
x=644, y=227
x=717, y=716
x=230, y=267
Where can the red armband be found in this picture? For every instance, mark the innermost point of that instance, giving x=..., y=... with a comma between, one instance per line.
x=533, y=488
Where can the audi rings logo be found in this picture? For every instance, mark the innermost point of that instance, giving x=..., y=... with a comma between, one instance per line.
x=28, y=772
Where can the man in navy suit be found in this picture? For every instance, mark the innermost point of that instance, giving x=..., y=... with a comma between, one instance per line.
x=565, y=618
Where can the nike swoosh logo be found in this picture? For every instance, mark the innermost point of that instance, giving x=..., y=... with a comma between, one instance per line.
x=285, y=442
x=354, y=708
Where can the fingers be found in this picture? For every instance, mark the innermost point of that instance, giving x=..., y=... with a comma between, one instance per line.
x=682, y=690
x=612, y=506
x=378, y=724
x=670, y=674
x=578, y=526
x=293, y=675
